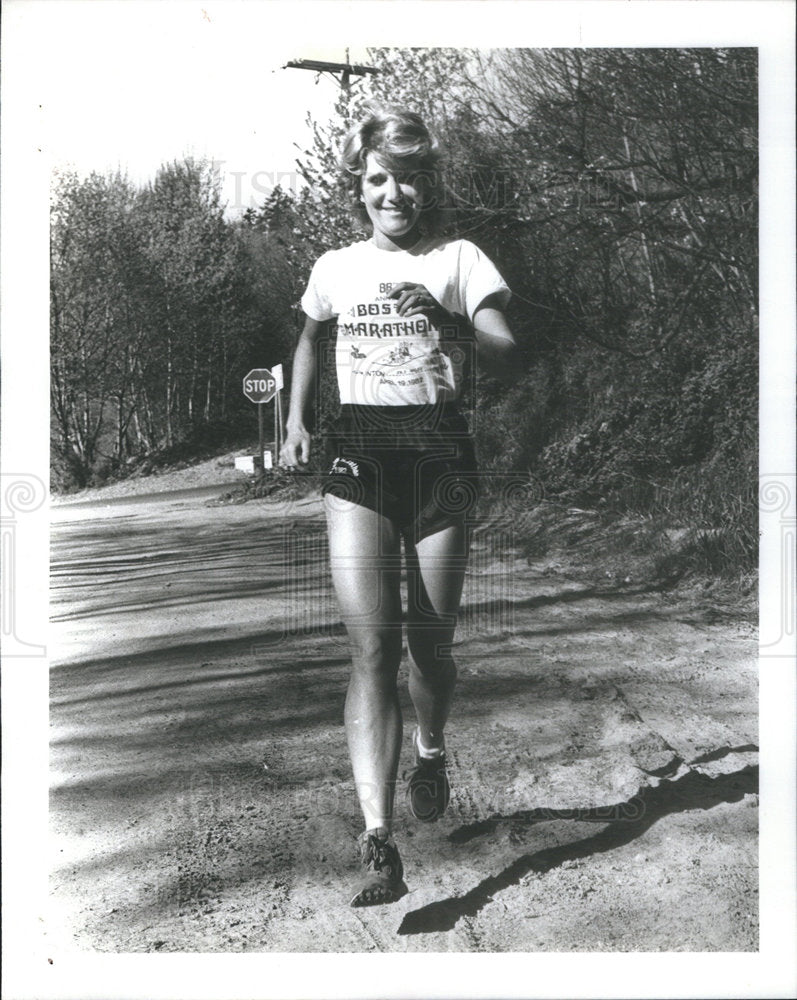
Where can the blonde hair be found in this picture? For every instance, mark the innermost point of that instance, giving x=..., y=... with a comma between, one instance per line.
x=402, y=143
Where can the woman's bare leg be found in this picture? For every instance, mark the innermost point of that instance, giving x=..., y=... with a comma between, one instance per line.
x=366, y=571
x=435, y=575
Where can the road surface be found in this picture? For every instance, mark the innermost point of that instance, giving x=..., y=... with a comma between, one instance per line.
x=603, y=745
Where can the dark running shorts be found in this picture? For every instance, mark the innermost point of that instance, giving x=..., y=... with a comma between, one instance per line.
x=413, y=464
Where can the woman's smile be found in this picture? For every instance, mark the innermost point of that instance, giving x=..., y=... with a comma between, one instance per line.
x=393, y=203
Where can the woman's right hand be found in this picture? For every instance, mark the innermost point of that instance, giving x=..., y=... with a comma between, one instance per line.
x=295, y=450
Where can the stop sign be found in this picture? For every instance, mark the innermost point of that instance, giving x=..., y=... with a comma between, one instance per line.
x=259, y=385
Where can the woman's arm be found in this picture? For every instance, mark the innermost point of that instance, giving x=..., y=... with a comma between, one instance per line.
x=296, y=448
x=492, y=331
x=497, y=346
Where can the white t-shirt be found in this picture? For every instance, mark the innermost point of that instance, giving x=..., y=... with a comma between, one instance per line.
x=385, y=359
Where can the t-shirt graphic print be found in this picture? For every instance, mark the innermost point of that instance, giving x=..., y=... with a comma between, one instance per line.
x=385, y=359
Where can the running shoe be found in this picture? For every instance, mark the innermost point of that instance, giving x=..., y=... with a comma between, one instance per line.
x=383, y=881
x=428, y=788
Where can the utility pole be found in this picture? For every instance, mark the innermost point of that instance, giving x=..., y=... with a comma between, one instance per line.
x=346, y=70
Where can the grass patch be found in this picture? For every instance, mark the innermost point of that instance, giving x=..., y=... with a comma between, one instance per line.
x=272, y=483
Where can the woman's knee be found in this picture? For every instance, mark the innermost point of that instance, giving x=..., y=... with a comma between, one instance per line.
x=430, y=653
x=376, y=652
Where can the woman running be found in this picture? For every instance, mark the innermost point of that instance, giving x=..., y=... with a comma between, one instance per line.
x=409, y=306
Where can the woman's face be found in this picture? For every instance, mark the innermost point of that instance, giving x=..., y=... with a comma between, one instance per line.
x=393, y=202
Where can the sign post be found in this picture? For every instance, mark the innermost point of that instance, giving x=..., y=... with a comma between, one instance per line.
x=260, y=386
x=261, y=440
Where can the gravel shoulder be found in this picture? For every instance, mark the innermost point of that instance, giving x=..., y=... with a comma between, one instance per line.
x=212, y=472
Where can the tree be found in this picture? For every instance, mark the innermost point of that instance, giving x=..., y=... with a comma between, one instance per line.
x=152, y=314
x=192, y=261
x=94, y=261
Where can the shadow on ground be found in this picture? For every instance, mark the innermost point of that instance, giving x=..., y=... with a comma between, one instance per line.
x=635, y=817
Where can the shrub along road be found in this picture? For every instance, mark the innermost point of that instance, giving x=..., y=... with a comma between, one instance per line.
x=603, y=745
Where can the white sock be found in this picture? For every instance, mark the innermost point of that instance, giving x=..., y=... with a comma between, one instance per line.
x=426, y=753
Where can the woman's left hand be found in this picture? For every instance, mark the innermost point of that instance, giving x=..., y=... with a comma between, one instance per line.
x=416, y=300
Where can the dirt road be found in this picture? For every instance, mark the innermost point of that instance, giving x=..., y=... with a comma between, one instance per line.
x=603, y=743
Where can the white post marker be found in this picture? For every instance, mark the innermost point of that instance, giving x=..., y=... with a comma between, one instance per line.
x=276, y=372
x=279, y=436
